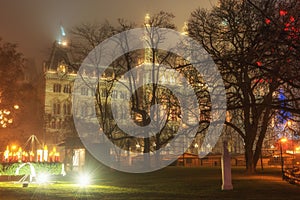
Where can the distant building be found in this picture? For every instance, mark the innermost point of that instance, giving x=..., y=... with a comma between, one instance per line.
x=60, y=73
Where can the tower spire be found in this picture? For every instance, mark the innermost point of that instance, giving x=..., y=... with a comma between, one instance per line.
x=184, y=30
x=62, y=39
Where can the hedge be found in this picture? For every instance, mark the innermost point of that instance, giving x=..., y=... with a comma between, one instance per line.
x=11, y=168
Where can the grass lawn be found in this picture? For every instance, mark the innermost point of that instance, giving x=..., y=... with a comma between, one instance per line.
x=169, y=183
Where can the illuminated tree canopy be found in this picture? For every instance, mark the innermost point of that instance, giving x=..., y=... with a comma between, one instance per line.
x=11, y=73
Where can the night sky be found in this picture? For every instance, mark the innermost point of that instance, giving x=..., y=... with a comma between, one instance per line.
x=34, y=24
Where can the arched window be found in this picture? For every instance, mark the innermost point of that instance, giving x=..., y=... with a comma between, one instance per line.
x=58, y=124
x=53, y=125
x=56, y=108
x=67, y=109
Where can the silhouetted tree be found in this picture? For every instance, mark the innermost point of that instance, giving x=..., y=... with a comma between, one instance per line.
x=256, y=51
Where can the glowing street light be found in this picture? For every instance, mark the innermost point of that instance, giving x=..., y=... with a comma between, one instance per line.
x=282, y=140
x=83, y=180
x=13, y=147
x=297, y=149
x=43, y=178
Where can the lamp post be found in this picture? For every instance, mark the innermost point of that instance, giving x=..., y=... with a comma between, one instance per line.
x=290, y=127
x=282, y=140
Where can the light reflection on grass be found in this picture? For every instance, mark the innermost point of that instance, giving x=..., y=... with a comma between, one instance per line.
x=170, y=183
x=60, y=191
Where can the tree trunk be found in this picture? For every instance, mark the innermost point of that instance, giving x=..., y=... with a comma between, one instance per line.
x=249, y=156
x=147, y=151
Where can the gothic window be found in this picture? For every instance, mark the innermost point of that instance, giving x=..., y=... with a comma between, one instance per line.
x=84, y=91
x=67, y=109
x=67, y=89
x=56, y=108
x=53, y=125
x=62, y=67
x=58, y=124
x=122, y=96
x=115, y=94
x=57, y=87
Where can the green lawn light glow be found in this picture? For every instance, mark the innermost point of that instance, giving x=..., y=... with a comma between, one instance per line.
x=83, y=180
x=43, y=178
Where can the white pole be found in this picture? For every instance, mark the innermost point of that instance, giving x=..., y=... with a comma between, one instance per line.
x=226, y=168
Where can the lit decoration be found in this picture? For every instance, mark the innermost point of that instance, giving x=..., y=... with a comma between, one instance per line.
x=24, y=156
x=268, y=21
x=5, y=118
x=45, y=156
x=13, y=147
x=15, y=153
x=39, y=153
x=56, y=157
x=31, y=158
x=259, y=63
x=6, y=155
x=282, y=12
x=19, y=154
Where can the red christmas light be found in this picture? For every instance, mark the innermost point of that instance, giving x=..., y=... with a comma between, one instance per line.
x=268, y=21
x=259, y=63
x=282, y=12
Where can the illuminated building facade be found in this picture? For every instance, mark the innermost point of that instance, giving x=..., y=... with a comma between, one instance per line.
x=60, y=73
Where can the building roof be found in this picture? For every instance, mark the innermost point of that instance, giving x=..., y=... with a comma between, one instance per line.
x=60, y=54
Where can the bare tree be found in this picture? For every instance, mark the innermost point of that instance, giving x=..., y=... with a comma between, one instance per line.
x=87, y=37
x=253, y=63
